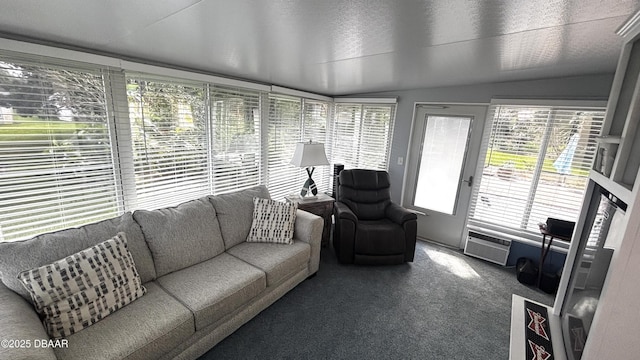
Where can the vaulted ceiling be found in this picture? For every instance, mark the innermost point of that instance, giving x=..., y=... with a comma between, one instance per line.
x=337, y=47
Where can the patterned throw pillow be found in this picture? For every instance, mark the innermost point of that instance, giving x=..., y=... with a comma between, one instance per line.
x=273, y=221
x=82, y=289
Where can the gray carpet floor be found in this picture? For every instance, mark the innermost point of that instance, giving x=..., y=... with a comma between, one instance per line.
x=444, y=305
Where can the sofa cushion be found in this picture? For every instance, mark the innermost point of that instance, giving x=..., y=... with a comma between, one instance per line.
x=145, y=329
x=273, y=221
x=215, y=288
x=235, y=213
x=181, y=236
x=76, y=292
x=18, y=256
x=380, y=237
x=277, y=261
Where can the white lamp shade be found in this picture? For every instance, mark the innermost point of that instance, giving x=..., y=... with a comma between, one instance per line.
x=309, y=154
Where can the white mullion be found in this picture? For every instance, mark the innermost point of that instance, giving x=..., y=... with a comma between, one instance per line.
x=264, y=137
x=118, y=142
x=302, y=120
x=210, y=133
x=389, y=144
x=358, y=132
x=123, y=145
x=537, y=170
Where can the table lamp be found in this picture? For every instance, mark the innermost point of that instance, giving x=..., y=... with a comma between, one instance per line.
x=309, y=155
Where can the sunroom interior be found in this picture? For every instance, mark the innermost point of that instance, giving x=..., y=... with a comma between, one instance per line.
x=112, y=107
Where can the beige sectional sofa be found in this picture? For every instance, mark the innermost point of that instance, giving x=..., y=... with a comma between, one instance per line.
x=203, y=280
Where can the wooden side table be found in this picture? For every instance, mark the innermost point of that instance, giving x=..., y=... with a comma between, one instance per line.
x=321, y=205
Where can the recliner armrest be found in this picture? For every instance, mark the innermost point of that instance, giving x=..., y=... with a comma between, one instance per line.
x=344, y=234
x=343, y=212
x=398, y=214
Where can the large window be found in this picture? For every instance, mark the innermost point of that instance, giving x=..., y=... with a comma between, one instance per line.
x=190, y=140
x=56, y=165
x=235, y=119
x=536, y=166
x=292, y=120
x=169, y=137
x=362, y=135
x=81, y=143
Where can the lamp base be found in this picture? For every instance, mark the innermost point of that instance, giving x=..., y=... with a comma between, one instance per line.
x=309, y=185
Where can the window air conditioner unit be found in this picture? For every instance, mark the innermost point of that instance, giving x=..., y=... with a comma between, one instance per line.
x=487, y=247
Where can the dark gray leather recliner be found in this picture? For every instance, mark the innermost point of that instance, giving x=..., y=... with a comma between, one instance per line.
x=369, y=228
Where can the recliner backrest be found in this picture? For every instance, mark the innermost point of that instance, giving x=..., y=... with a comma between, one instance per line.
x=365, y=192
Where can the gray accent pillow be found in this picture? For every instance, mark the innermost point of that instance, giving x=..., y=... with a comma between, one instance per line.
x=235, y=213
x=18, y=256
x=82, y=289
x=273, y=221
x=181, y=236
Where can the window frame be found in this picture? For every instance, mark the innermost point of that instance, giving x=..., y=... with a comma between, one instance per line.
x=284, y=178
x=116, y=71
x=359, y=134
x=110, y=166
x=507, y=231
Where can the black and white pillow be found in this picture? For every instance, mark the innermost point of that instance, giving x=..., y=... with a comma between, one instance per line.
x=273, y=221
x=80, y=290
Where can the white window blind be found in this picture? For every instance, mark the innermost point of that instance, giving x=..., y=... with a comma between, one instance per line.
x=293, y=119
x=235, y=118
x=283, y=133
x=169, y=136
x=536, y=166
x=81, y=143
x=362, y=135
x=315, y=122
x=56, y=164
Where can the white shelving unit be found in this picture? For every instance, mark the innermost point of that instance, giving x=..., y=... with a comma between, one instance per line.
x=618, y=157
x=616, y=170
x=619, y=140
x=615, y=326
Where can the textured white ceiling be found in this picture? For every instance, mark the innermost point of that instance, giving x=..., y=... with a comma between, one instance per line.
x=338, y=47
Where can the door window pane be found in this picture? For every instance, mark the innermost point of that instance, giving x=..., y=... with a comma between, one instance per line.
x=444, y=145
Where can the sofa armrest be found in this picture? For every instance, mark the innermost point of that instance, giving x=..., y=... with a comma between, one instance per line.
x=308, y=228
x=398, y=214
x=20, y=323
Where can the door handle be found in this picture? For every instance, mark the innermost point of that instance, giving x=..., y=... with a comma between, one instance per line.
x=470, y=181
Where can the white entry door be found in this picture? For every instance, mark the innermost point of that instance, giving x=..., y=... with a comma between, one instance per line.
x=443, y=154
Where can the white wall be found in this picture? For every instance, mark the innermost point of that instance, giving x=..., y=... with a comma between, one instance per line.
x=591, y=87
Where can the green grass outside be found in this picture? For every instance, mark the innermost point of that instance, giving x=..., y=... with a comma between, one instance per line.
x=35, y=132
x=525, y=162
x=37, y=129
